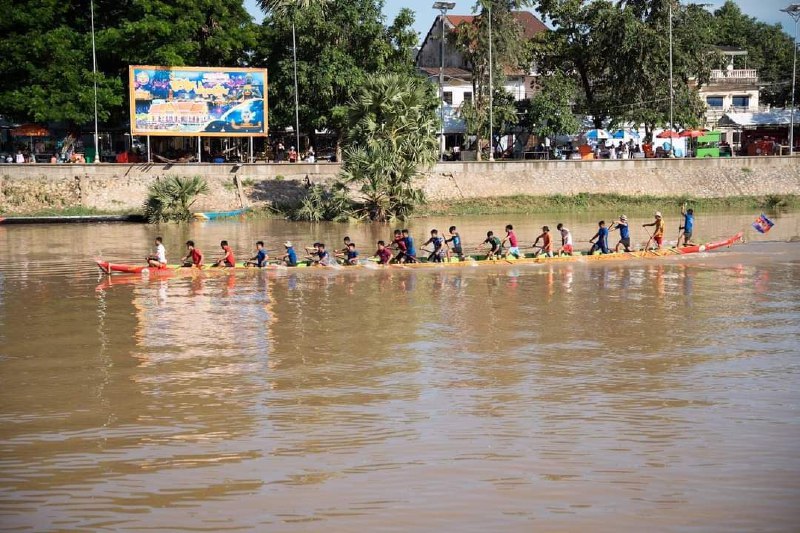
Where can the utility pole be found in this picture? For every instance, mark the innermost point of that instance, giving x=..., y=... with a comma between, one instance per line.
x=443, y=7
x=491, y=90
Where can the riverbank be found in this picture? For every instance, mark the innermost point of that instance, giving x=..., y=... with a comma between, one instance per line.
x=114, y=188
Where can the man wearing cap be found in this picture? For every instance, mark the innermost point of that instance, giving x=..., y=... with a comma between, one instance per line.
x=658, y=233
x=624, y=233
x=290, y=259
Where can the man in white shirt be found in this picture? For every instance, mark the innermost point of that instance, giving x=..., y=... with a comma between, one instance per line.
x=159, y=259
x=566, y=240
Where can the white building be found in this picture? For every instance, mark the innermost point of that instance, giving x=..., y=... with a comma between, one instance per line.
x=457, y=85
x=733, y=89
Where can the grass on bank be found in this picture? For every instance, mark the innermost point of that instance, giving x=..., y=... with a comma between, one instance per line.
x=523, y=204
x=519, y=204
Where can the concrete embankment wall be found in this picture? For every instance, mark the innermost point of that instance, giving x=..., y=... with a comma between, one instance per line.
x=31, y=188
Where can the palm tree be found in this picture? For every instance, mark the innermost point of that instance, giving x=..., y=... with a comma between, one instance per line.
x=391, y=134
x=290, y=8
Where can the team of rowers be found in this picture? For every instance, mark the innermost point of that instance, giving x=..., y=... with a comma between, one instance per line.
x=402, y=249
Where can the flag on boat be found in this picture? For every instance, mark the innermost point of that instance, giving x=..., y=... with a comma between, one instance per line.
x=763, y=224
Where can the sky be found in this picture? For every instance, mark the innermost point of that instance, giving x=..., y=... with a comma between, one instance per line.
x=765, y=10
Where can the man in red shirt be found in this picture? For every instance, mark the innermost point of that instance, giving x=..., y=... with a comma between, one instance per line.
x=227, y=258
x=194, y=257
x=384, y=254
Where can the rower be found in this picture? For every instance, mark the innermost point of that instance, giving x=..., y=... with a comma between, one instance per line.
x=438, y=247
x=323, y=258
x=496, y=245
x=658, y=233
x=624, y=233
x=402, y=248
x=566, y=240
x=511, y=237
x=260, y=259
x=547, y=246
x=688, y=225
x=602, y=239
x=227, y=258
x=411, y=250
x=159, y=258
x=383, y=253
x=352, y=254
x=290, y=257
x=455, y=240
x=194, y=257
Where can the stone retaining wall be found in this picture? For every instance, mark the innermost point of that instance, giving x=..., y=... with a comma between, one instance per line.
x=31, y=188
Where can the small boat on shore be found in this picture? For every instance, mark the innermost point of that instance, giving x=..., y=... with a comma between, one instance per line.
x=474, y=260
x=215, y=215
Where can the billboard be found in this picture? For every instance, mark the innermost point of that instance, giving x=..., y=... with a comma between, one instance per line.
x=198, y=101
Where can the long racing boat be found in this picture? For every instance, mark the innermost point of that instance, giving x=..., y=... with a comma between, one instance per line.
x=472, y=260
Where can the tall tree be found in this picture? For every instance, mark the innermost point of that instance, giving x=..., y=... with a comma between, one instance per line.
x=619, y=56
x=549, y=112
x=46, y=61
x=292, y=9
x=338, y=50
x=509, y=51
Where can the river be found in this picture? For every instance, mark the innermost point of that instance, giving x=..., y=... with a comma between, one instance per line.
x=655, y=394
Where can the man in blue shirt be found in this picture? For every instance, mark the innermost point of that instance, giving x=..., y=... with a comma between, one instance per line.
x=260, y=259
x=602, y=239
x=411, y=250
x=624, y=233
x=290, y=259
x=688, y=225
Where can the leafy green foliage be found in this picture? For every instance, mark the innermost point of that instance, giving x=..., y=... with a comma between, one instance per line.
x=170, y=199
x=46, y=54
x=340, y=44
x=550, y=110
x=321, y=203
x=391, y=135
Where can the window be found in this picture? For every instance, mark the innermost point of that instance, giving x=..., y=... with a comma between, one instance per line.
x=741, y=101
x=448, y=97
x=467, y=97
x=714, y=101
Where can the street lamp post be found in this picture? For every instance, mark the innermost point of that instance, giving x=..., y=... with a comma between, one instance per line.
x=491, y=90
x=443, y=7
x=793, y=11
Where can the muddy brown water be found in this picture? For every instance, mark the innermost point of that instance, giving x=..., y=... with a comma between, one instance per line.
x=649, y=395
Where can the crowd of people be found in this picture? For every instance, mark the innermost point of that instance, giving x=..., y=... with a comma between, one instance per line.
x=438, y=248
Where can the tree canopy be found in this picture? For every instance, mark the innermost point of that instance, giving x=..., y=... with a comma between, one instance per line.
x=339, y=47
x=46, y=55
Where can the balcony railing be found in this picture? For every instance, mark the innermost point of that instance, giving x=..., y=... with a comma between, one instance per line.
x=742, y=75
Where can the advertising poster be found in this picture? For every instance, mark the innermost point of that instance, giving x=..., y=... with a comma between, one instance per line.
x=198, y=101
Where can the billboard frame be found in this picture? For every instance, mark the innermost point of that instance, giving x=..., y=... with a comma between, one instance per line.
x=132, y=103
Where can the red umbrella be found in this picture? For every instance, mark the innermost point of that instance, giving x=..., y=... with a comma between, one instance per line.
x=693, y=133
x=668, y=134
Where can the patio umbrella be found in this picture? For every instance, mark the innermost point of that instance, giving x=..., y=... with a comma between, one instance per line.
x=597, y=135
x=692, y=133
x=668, y=134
